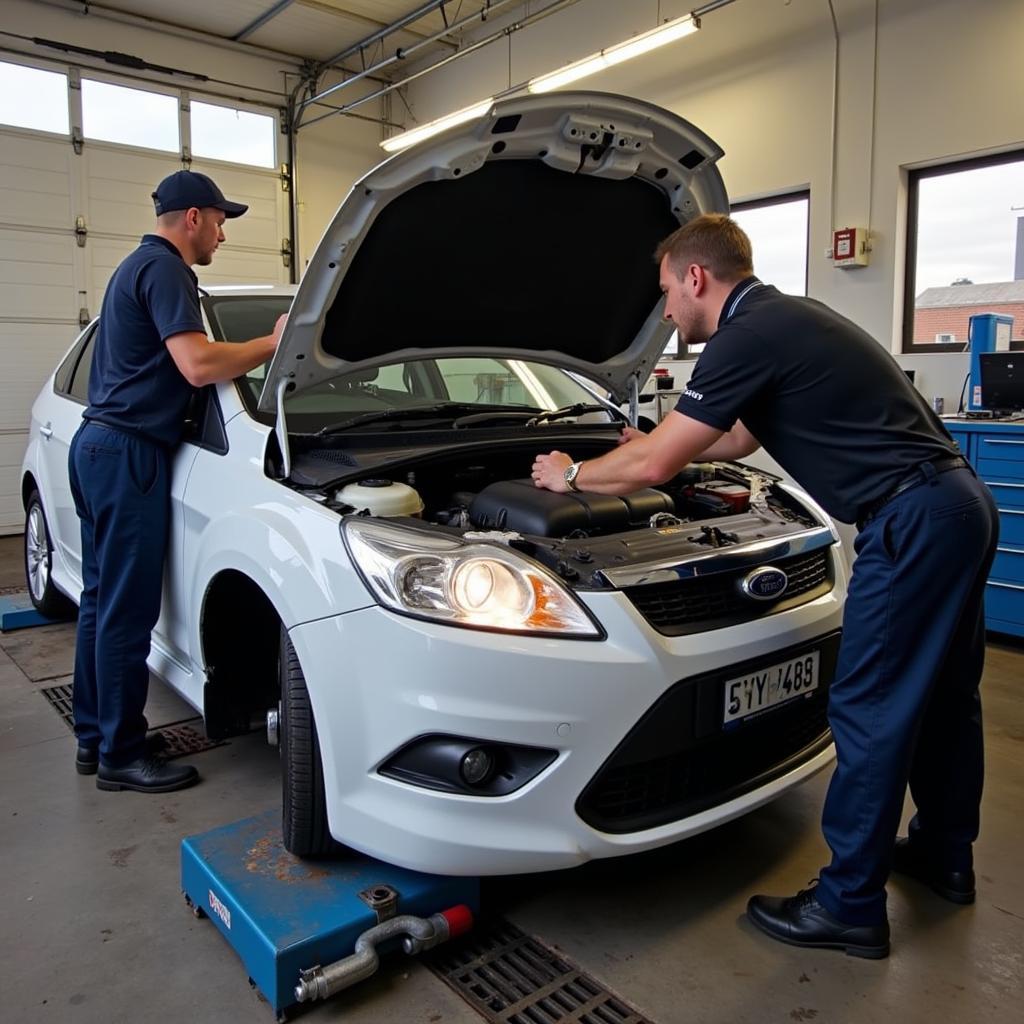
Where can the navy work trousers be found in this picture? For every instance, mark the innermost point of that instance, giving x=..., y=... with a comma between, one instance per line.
x=904, y=706
x=121, y=486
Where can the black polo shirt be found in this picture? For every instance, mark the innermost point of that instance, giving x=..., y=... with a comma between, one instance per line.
x=135, y=385
x=825, y=400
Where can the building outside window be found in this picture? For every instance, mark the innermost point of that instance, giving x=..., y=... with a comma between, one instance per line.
x=965, y=250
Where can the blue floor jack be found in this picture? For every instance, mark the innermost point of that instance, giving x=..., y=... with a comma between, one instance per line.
x=307, y=929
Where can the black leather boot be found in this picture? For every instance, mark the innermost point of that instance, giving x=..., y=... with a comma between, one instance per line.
x=801, y=920
x=910, y=858
x=147, y=774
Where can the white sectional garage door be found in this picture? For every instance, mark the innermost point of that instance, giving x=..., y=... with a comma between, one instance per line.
x=48, y=281
x=41, y=275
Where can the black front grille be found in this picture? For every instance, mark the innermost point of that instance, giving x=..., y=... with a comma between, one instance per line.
x=679, y=760
x=690, y=605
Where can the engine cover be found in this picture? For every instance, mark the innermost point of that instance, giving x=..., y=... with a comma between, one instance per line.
x=518, y=505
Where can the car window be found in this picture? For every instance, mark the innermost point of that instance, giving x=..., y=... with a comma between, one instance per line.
x=78, y=386
x=62, y=378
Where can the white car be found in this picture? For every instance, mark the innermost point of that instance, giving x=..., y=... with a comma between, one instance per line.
x=468, y=675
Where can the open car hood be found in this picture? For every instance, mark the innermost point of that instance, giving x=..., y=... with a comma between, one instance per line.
x=528, y=234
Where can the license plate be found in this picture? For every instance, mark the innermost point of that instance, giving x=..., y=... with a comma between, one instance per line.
x=769, y=687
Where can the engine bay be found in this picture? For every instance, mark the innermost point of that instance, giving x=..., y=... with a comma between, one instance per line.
x=492, y=497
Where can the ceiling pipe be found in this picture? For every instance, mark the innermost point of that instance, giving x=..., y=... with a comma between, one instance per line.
x=395, y=26
x=405, y=54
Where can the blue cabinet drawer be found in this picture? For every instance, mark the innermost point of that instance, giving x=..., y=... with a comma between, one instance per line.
x=1004, y=602
x=1008, y=565
x=996, y=469
x=1008, y=447
x=1009, y=494
x=1011, y=527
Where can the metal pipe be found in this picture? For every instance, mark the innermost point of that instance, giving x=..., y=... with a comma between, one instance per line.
x=402, y=55
x=395, y=26
x=835, y=117
x=507, y=31
x=421, y=933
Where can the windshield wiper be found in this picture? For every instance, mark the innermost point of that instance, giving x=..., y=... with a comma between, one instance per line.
x=566, y=410
x=412, y=413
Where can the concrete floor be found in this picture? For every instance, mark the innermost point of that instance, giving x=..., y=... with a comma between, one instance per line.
x=94, y=927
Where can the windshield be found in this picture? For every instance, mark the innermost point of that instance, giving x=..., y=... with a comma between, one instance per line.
x=470, y=381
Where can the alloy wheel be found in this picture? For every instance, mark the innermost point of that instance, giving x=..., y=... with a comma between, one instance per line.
x=37, y=552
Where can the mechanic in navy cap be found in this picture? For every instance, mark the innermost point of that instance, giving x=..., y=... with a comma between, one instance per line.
x=151, y=353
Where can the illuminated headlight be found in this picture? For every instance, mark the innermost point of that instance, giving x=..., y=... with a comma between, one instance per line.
x=476, y=585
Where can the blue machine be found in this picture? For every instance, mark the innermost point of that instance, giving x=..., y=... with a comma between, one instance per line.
x=283, y=915
x=988, y=332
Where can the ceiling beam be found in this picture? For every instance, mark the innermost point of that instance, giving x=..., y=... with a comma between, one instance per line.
x=266, y=16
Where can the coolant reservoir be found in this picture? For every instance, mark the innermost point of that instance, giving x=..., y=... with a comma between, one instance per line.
x=381, y=498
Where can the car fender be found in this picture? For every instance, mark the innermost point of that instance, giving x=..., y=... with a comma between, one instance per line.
x=294, y=554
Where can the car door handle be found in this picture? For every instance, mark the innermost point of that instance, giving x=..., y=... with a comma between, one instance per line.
x=46, y=431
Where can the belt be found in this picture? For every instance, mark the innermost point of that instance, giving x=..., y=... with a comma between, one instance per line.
x=918, y=476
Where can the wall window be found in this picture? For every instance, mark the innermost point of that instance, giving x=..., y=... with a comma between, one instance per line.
x=965, y=250
x=33, y=98
x=132, y=117
x=240, y=136
x=778, y=232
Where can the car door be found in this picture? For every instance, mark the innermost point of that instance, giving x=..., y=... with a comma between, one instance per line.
x=59, y=416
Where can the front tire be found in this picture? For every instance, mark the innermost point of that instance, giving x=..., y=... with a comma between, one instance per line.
x=46, y=598
x=304, y=803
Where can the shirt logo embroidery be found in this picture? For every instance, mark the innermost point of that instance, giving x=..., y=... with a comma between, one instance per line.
x=695, y=395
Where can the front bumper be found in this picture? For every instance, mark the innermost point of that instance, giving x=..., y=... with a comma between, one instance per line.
x=378, y=680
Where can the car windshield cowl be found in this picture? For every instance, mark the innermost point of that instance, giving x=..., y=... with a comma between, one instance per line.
x=437, y=409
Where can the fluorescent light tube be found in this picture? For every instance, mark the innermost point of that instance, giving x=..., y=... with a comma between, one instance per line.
x=661, y=36
x=424, y=131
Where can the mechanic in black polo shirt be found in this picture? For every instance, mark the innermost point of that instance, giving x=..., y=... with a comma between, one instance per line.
x=151, y=352
x=835, y=410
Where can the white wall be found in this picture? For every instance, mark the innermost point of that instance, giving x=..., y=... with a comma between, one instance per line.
x=758, y=78
x=331, y=154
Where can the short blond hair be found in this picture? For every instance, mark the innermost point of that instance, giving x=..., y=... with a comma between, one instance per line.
x=713, y=241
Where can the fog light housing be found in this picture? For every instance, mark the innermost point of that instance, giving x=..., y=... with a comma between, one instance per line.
x=471, y=765
x=476, y=766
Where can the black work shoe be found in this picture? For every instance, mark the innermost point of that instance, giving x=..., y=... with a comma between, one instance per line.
x=149, y=774
x=87, y=759
x=909, y=858
x=801, y=920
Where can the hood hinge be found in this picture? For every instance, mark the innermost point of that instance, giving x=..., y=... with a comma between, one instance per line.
x=634, y=398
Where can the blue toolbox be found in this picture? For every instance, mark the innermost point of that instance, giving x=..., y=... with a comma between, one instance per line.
x=305, y=929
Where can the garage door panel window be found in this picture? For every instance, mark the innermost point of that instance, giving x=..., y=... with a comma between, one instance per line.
x=33, y=98
x=965, y=250
x=237, y=136
x=131, y=117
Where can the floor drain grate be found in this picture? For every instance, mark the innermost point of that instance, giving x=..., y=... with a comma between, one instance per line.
x=183, y=740
x=180, y=738
x=509, y=977
x=59, y=698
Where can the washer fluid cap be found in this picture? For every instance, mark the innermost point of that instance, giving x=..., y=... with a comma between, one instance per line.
x=381, y=498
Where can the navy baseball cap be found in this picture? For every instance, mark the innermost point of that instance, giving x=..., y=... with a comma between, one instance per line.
x=184, y=189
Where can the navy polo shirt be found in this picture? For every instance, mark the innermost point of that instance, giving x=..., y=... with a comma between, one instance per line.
x=135, y=384
x=825, y=400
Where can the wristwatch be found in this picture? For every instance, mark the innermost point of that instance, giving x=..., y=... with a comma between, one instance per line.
x=570, y=475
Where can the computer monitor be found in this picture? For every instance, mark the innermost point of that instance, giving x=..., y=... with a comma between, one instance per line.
x=1002, y=381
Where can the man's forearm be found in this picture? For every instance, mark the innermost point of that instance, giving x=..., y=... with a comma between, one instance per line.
x=226, y=360
x=621, y=471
